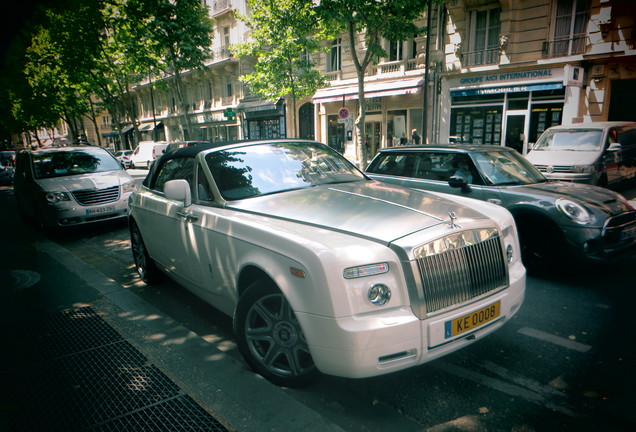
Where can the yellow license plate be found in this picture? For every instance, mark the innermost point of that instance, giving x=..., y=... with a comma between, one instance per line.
x=472, y=320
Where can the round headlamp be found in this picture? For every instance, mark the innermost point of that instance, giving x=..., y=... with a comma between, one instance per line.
x=379, y=294
x=573, y=210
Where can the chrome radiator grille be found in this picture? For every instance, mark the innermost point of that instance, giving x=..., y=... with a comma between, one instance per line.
x=463, y=272
x=94, y=197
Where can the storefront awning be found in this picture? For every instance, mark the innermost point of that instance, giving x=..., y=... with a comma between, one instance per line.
x=258, y=105
x=507, y=89
x=126, y=129
x=373, y=89
x=147, y=127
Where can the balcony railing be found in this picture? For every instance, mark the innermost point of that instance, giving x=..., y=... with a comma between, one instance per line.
x=481, y=57
x=220, y=6
x=562, y=47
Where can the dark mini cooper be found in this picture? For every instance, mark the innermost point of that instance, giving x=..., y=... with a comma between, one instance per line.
x=555, y=219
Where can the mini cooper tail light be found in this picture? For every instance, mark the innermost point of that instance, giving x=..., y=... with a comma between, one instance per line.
x=365, y=270
x=379, y=294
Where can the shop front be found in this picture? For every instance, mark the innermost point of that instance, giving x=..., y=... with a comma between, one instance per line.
x=393, y=109
x=263, y=119
x=508, y=108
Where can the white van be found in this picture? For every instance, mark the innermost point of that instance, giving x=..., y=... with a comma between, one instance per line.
x=146, y=153
x=599, y=153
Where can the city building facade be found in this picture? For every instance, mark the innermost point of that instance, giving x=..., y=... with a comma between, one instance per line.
x=499, y=72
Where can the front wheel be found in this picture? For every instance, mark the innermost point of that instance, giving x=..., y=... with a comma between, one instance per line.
x=270, y=338
x=145, y=266
x=541, y=248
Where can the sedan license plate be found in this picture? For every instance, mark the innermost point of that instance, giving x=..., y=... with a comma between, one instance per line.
x=472, y=320
x=100, y=210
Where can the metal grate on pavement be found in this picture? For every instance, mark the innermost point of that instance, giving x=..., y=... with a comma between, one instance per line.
x=73, y=371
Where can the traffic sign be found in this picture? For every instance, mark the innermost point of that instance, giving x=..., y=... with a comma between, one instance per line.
x=343, y=113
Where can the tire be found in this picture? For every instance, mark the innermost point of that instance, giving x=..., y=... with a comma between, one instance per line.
x=144, y=265
x=541, y=248
x=270, y=338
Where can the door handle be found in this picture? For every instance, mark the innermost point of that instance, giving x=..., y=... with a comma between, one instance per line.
x=189, y=217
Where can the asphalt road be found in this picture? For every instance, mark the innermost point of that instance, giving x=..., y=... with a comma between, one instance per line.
x=567, y=361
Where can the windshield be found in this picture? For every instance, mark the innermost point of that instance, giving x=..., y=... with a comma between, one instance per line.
x=506, y=168
x=569, y=140
x=270, y=168
x=66, y=162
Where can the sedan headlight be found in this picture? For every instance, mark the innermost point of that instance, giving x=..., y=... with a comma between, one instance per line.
x=573, y=210
x=379, y=294
x=55, y=197
x=129, y=187
x=583, y=168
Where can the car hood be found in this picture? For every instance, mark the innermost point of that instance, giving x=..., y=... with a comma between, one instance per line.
x=569, y=158
x=368, y=209
x=99, y=180
x=606, y=200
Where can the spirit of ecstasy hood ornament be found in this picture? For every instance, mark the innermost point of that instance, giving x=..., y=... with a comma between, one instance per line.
x=453, y=219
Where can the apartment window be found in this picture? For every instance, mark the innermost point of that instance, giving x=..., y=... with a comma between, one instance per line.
x=395, y=50
x=229, y=88
x=484, y=38
x=570, y=26
x=333, y=63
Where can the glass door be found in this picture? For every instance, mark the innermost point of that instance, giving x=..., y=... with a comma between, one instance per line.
x=516, y=131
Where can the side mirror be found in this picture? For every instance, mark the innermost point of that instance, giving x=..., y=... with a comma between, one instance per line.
x=178, y=190
x=614, y=147
x=459, y=182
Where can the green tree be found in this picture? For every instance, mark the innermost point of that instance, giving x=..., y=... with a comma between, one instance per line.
x=284, y=36
x=366, y=23
x=182, y=33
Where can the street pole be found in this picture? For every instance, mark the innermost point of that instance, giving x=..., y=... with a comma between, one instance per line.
x=426, y=61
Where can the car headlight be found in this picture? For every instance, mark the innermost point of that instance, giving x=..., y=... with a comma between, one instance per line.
x=573, y=210
x=129, y=187
x=583, y=168
x=55, y=197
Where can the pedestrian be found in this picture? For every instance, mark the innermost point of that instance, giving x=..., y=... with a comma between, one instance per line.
x=415, y=138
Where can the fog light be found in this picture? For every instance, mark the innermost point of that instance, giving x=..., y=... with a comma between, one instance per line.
x=510, y=254
x=379, y=294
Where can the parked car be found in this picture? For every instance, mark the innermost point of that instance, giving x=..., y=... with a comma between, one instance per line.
x=6, y=172
x=65, y=186
x=124, y=156
x=322, y=268
x=601, y=153
x=7, y=158
x=146, y=153
x=555, y=219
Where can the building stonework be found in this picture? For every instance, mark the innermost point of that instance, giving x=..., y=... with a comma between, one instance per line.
x=500, y=72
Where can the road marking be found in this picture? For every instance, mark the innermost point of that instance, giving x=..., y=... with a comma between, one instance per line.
x=557, y=340
x=504, y=387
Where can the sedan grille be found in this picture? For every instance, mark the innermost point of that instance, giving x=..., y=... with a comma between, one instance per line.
x=88, y=197
x=459, y=274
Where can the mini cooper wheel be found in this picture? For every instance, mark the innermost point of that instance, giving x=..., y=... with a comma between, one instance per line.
x=145, y=266
x=270, y=338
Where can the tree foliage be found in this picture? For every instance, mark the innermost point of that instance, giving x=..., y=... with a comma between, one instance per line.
x=366, y=23
x=80, y=52
x=284, y=36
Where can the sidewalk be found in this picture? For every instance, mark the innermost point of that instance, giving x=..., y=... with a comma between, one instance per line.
x=114, y=363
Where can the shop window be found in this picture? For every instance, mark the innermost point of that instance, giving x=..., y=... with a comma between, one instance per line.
x=543, y=116
x=484, y=38
x=569, y=28
x=477, y=125
x=333, y=61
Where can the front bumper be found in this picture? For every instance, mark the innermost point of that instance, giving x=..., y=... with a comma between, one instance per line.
x=602, y=244
x=70, y=213
x=383, y=342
